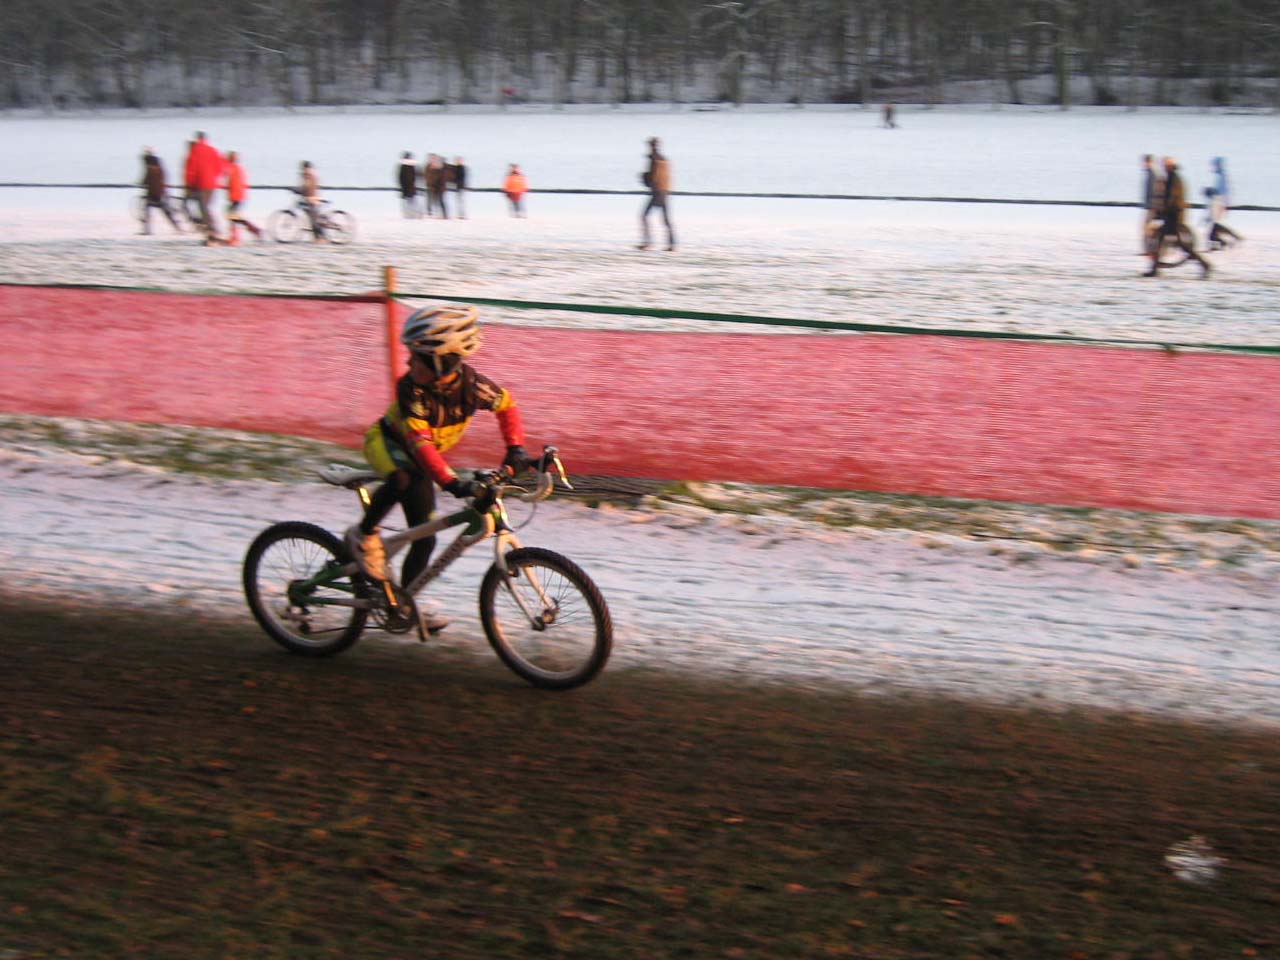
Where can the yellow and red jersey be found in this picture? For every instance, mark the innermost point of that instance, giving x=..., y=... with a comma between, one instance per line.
x=425, y=421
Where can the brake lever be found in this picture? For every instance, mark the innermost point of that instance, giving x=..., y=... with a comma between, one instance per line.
x=555, y=459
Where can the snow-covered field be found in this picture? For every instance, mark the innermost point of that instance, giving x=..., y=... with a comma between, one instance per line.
x=878, y=610
x=1042, y=269
x=1087, y=153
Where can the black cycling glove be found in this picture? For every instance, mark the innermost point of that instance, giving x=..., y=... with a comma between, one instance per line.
x=516, y=460
x=460, y=488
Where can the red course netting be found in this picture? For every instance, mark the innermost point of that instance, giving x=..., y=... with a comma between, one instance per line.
x=314, y=368
x=988, y=419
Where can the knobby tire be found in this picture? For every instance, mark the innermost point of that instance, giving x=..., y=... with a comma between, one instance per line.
x=572, y=647
x=294, y=551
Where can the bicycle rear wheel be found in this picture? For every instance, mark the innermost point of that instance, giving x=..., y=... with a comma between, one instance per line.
x=284, y=226
x=318, y=620
x=546, y=619
x=341, y=227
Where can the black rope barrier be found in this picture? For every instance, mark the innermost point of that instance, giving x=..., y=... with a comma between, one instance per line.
x=587, y=191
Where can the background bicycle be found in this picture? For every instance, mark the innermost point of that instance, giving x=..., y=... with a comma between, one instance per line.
x=287, y=225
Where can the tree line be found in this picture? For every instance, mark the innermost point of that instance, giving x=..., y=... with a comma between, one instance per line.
x=145, y=53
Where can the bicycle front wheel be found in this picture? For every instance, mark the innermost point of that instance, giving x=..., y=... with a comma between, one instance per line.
x=546, y=619
x=297, y=595
x=341, y=227
x=284, y=226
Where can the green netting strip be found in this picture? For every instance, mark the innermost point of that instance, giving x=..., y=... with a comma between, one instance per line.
x=348, y=297
x=665, y=314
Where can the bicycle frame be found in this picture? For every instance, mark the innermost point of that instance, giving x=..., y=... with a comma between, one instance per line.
x=480, y=525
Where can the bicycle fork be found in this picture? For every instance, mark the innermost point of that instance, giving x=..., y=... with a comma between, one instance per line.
x=538, y=621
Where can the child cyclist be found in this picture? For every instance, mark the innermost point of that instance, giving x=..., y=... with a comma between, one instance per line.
x=433, y=406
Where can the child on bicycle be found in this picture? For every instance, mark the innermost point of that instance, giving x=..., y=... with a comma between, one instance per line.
x=434, y=403
x=309, y=189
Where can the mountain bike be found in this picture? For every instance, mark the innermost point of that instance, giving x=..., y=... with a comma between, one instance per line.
x=289, y=224
x=543, y=616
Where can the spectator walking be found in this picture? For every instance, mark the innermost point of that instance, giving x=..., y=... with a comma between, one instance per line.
x=408, y=179
x=204, y=174
x=1173, y=228
x=1219, y=202
x=458, y=177
x=310, y=191
x=237, y=194
x=189, y=204
x=435, y=176
x=515, y=187
x=155, y=191
x=1152, y=194
x=657, y=177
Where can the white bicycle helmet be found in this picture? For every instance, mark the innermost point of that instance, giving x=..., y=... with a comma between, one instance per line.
x=443, y=336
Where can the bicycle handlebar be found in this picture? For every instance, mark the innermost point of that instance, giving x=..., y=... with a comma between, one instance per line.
x=494, y=482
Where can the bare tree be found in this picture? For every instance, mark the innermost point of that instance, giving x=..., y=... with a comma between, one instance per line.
x=1058, y=23
x=35, y=49
x=1262, y=24
x=731, y=21
x=115, y=52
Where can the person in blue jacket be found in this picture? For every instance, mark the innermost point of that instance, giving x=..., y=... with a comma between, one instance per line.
x=1217, y=203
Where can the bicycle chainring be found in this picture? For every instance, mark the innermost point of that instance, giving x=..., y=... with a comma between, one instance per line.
x=401, y=618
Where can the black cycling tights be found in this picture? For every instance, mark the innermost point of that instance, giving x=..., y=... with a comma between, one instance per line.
x=417, y=497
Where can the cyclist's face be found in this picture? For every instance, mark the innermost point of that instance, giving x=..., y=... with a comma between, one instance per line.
x=429, y=369
x=421, y=369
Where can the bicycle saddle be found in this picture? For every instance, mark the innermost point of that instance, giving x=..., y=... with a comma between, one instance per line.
x=341, y=475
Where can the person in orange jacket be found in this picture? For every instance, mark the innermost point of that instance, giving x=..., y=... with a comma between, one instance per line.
x=515, y=187
x=237, y=193
x=204, y=174
x=658, y=179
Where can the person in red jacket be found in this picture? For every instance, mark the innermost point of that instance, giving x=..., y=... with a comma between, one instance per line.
x=204, y=173
x=237, y=193
x=189, y=205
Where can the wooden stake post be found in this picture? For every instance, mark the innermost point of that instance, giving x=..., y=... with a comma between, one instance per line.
x=393, y=326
